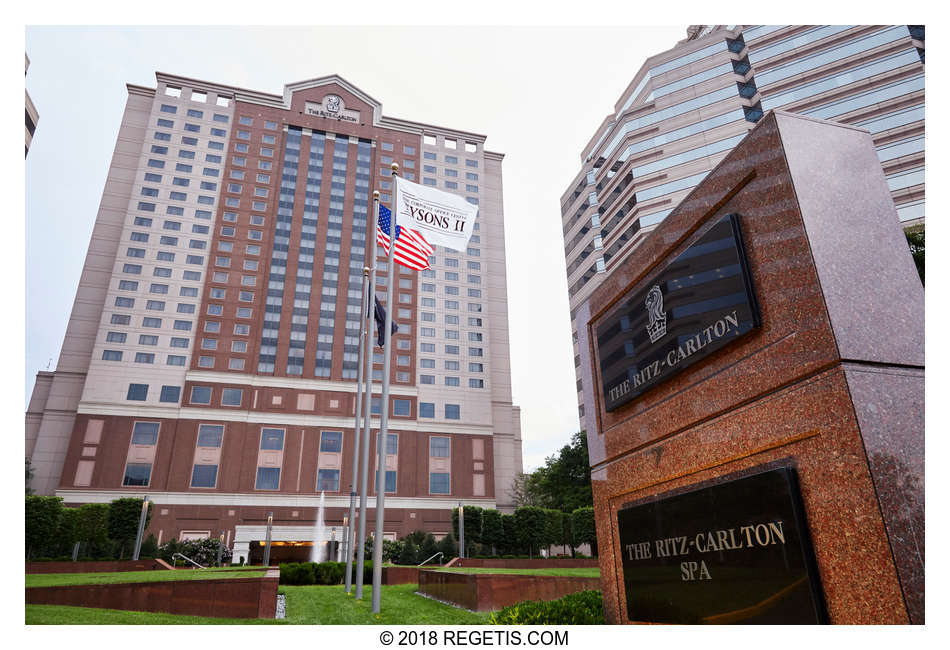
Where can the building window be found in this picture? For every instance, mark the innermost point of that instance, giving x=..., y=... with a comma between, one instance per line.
x=268, y=478
x=137, y=474
x=144, y=434
x=452, y=412
x=439, y=447
x=331, y=441
x=170, y=394
x=201, y=394
x=272, y=439
x=402, y=407
x=438, y=483
x=137, y=392
x=231, y=396
x=328, y=480
x=204, y=476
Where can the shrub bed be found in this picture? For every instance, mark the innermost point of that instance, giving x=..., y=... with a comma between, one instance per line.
x=582, y=608
x=319, y=573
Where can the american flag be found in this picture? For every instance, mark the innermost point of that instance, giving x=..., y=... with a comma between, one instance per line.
x=412, y=250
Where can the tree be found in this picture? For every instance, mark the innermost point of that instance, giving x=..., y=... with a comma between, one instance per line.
x=66, y=534
x=473, y=524
x=523, y=492
x=392, y=549
x=150, y=547
x=448, y=547
x=915, y=240
x=493, y=532
x=428, y=548
x=203, y=551
x=584, y=529
x=41, y=517
x=92, y=527
x=510, y=529
x=563, y=482
x=530, y=527
x=409, y=553
x=29, y=477
x=123, y=520
x=417, y=536
x=567, y=533
x=553, y=526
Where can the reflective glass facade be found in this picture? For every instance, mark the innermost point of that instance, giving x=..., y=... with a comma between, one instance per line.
x=691, y=105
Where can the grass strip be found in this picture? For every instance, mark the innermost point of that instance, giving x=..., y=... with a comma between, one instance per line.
x=64, y=615
x=66, y=579
x=582, y=572
x=399, y=605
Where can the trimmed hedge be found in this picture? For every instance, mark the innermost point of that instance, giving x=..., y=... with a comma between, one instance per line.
x=582, y=608
x=319, y=573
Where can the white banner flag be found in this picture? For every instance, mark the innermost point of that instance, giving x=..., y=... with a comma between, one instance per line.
x=441, y=218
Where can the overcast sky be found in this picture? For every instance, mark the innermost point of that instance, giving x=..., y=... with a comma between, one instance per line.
x=538, y=94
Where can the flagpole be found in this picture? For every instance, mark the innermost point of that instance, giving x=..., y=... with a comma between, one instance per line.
x=348, y=542
x=368, y=398
x=384, y=415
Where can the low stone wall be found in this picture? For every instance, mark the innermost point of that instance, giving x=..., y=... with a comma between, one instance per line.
x=559, y=563
x=486, y=592
x=224, y=598
x=106, y=566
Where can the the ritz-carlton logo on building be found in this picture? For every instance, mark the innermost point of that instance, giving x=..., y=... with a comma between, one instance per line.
x=656, y=328
x=332, y=107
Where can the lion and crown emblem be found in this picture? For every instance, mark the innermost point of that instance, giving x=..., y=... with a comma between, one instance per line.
x=656, y=327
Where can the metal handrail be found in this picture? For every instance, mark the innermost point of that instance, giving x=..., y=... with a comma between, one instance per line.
x=439, y=555
x=184, y=557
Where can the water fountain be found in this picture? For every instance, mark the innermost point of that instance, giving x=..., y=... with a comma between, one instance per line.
x=320, y=546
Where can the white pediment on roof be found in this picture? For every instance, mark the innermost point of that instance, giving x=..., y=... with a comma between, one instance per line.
x=332, y=104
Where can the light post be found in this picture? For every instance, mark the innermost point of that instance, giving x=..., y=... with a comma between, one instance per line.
x=270, y=522
x=141, y=531
x=461, y=531
x=220, y=547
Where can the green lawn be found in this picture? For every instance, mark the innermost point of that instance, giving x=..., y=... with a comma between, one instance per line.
x=62, y=615
x=164, y=575
x=399, y=605
x=582, y=572
x=310, y=605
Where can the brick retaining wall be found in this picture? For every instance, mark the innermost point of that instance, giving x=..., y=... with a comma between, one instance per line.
x=486, y=592
x=400, y=575
x=223, y=598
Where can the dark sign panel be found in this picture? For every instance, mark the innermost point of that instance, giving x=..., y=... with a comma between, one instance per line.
x=737, y=552
x=699, y=303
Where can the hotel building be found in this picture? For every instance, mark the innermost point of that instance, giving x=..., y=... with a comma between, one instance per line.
x=686, y=108
x=210, y=360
